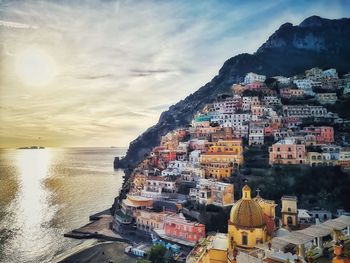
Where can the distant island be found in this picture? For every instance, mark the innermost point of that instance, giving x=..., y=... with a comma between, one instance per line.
x=31, y=148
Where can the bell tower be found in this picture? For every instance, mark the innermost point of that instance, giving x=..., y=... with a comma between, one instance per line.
x=289, y=211
x=246, y=193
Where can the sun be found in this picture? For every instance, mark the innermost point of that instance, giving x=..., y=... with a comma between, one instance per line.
x=35, y=67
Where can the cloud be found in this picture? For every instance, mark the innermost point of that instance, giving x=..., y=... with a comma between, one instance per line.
x=121, y=63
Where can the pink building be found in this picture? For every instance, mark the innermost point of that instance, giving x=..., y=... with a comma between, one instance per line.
x=323, y=134
x=256, y=85
x=177, y=226
x=287, y=151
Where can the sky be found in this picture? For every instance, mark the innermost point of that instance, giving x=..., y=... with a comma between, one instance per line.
x=99, y=73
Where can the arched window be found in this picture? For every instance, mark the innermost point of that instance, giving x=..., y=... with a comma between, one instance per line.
x=289, y=220
x=244, y=239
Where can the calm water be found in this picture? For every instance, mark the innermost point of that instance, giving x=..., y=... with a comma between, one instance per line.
x=45, y=193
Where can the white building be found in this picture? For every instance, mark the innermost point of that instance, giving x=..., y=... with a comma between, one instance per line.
x=327, y=98
x=246, y=102
x=253, y=77
x=271, y=101
x=282, y=80
x=210, y=191
x=320, y=214
x=194, y=157
x=330, y=73
x=241, y=131
x=256, y=135
x=240, y=119
x=156, y=185
x=304, y=111
x=305, y=85
x=228, y=105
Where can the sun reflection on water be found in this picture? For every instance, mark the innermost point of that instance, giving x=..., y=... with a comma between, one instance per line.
x=33, y=208
x=45, y=193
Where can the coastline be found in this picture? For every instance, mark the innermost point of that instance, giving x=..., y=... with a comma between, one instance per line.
x=100, y=252
x=98, y=232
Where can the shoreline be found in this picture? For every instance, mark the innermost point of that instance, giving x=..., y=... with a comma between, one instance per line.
x=99, y=252
x=98, y=231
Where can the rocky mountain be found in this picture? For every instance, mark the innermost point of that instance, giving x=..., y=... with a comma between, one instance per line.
x=316, y=42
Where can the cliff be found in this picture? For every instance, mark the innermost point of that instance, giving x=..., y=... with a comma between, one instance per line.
x=316, y=42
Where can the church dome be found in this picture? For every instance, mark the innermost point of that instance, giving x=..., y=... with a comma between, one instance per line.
x=247, y=212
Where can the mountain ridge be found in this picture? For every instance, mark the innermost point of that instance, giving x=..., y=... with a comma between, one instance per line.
x=290, y=50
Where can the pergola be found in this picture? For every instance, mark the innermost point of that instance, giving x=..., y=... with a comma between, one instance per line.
x=313, y=233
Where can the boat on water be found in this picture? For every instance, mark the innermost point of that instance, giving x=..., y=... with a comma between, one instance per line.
x=31, y=148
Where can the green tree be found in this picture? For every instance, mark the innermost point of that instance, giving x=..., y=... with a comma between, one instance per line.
x=157, y=254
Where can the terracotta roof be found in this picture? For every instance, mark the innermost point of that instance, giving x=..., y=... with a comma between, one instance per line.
x=247, y=213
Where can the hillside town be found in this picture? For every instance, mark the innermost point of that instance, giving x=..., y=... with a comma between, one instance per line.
x=192, y=193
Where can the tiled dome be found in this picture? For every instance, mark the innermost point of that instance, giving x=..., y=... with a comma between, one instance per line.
x=246, y=212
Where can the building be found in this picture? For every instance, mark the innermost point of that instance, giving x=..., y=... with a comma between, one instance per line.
x=319, y=159
x=225, y=133
x=304, y=216
x=239, y=119
x=256, y=135
x=305, y=85
x=289, y=212
x=218, y=170
x=346, y=90
x=178, y=229
x=344, y=157
x=256, y=85
x=228, y=105
x=320, y=214
x=224, y=152
x=210, y=191
x=332, y=84
x=271, y=101
x=330, y=73
x=147, y=220
x=287, y=151
x=246, y=102
x=156, y=185
x=289, y=93
x=134, y=203
x=326, y=98
x=322, y=134
x=304, y=111
x=194, y=157
x=282, y=80
x=248, y=226
x=314, y=73
x=253, y=77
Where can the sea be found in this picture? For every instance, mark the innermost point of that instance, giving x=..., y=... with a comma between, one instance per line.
x=45, y=193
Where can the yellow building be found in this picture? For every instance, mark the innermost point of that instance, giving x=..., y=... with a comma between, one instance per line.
x=289, y=210
x=247, y=227
x=218, y=170
x=227, y=151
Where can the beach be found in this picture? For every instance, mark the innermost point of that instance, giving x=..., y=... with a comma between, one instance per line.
x=103, y=252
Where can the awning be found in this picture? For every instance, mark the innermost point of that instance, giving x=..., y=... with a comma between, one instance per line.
x=296, y=238
x=316, y=231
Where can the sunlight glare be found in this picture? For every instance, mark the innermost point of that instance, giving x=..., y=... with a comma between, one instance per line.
x=35, y=67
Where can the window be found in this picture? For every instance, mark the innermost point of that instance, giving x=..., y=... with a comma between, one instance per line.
x=244, y=239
